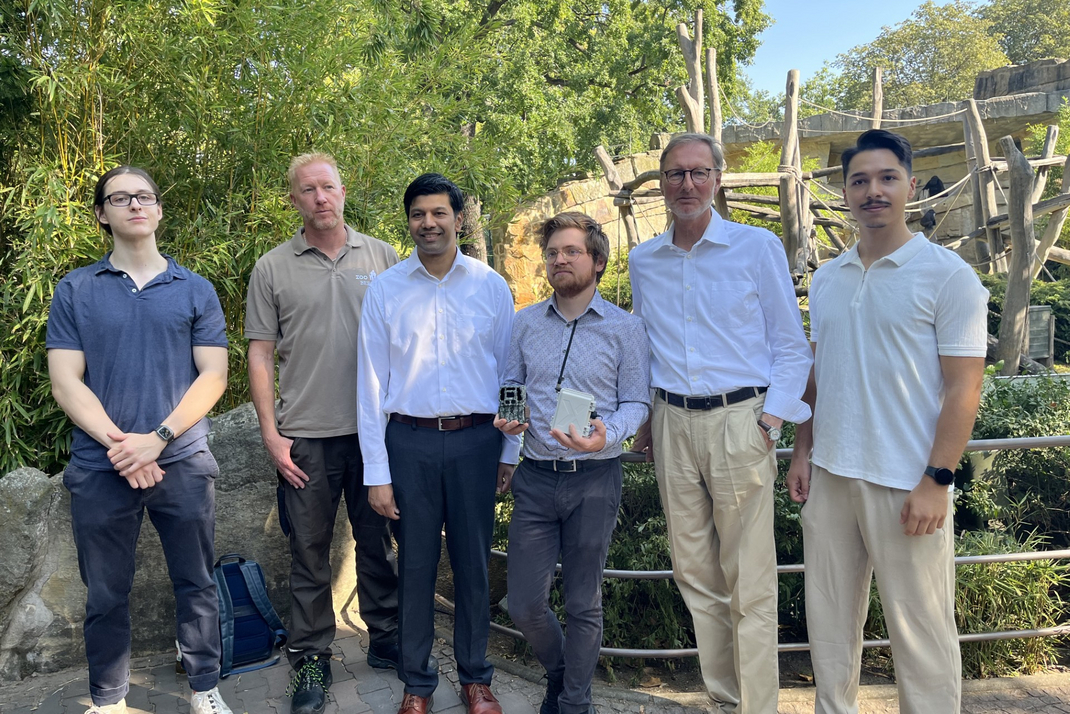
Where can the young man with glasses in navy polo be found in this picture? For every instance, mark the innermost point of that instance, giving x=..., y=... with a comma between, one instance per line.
x=567, y=489
x=729, y=362
x=137, y=355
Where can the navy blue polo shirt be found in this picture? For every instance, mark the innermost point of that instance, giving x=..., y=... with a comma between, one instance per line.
x=138, y=346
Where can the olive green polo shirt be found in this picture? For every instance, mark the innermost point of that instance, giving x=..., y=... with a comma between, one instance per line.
x=310, y=306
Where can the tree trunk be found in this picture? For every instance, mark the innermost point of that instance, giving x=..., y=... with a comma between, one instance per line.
x=472, y=241
x=1012, y=325
x=692, y=96
x=789, y=205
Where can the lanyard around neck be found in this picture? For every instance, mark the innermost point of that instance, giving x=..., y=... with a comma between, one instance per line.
x=561, y=376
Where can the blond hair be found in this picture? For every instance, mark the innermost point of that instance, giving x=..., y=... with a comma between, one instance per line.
x=315, y=157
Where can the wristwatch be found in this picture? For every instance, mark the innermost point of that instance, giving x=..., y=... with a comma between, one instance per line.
x=165, y=432
x=772, y=431
x=944, y=477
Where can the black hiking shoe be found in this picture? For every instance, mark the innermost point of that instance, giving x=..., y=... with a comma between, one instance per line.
x=309, y=685
x=553, y=693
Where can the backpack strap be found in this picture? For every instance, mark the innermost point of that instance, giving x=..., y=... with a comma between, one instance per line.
x=226, y=620
x=254, y=581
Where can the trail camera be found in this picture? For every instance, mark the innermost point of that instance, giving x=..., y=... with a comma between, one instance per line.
x=574, y=409
x=512, y=403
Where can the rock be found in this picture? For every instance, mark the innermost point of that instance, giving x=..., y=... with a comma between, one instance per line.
x=42, y=598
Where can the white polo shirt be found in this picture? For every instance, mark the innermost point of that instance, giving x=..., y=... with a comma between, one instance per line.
x=879, y=336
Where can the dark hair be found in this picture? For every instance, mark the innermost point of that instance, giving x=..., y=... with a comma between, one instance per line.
x=102, y=183
x=431, y=184
x=596, y=241
x=879, y=139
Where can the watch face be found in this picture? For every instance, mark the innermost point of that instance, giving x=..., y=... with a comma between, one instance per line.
x=944, y=477
x=774, y=434
x=165, y=433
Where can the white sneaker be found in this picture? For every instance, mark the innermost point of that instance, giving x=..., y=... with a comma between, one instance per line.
x=118, y=708
x=210, y=702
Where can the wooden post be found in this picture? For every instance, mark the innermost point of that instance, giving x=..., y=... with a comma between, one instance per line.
x=878, y=98
x=631, y=228
x=1012, y=324
x=789, y=205
x=713, y=97
x=1047, y=152
x=1054, y=227
x=981, y=251
x=473, y=243
x=692, y=97
x=987, y=184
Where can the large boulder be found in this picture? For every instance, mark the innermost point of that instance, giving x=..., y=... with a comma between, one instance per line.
x=42, y=598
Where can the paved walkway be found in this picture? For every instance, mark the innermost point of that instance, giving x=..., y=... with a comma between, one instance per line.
x=359, y=689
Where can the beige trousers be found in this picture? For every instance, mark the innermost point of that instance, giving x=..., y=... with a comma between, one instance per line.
x=851, y=529
x=716, y=478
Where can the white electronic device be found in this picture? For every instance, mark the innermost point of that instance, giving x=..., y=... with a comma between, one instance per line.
x=574, y=408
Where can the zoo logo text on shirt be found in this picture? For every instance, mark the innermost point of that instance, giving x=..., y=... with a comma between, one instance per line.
x=365, y=279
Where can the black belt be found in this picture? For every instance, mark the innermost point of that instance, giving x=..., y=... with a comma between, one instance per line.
x=569, y=466
x=446, y=423
x=714, y=401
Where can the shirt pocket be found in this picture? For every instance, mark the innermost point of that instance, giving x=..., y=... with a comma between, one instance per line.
x=732, y=303
x=472, y=334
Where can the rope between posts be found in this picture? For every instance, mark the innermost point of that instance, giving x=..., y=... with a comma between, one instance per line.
x=735, y=114
x=883, y=120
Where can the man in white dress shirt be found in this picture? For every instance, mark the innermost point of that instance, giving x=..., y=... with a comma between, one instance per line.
x=729, y=362
x=899, y=330
x=434, y=340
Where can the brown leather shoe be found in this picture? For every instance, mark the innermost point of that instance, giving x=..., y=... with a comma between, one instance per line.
x=479, y=699
x=412, y=704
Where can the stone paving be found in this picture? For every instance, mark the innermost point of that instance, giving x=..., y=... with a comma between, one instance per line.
x=359, y=689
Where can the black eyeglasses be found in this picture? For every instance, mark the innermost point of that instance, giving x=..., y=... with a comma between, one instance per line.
x=122, y=200
x=675, y=177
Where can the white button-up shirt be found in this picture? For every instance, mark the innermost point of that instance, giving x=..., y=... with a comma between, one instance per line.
x=430, y=348
x=723, y=316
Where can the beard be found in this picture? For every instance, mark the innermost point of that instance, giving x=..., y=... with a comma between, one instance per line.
x=326, y=223
x=569, y=285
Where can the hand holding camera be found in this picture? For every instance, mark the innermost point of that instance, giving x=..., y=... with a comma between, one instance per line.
x=596, y=441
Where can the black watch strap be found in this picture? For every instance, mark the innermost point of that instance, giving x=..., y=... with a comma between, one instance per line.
x=944, y=477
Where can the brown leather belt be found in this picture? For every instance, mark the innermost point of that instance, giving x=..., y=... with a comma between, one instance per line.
x=446, y=423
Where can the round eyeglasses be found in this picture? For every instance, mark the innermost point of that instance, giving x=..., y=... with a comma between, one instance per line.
x=675, y=177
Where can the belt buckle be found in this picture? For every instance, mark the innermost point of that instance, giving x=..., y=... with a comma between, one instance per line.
x=563, y=470
x=442, y=419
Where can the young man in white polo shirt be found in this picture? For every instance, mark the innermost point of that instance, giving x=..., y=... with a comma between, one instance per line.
x=898, y=329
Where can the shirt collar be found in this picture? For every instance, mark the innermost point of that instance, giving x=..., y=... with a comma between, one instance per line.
x=413, y=264
x=173, y=271
x=300, y=243
x=597, y=306
x=899, y=256
x=716, y=232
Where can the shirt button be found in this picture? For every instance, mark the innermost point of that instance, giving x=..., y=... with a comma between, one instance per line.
x=443, y=389
x=440, y=310
x=690, y=349
x=689, y=318
x=688, y=287
x=693, y=379
x=124, y=275
x=441, y=337
x=133, y=290
x=443, y=362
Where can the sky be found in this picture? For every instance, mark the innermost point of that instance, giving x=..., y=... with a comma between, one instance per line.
x=807, y=33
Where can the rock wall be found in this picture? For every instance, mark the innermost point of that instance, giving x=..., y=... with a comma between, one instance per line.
x=42, y=598
x=1046, y=75
x=516, y=246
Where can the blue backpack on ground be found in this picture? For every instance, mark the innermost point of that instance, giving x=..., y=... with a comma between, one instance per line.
x=249, y=627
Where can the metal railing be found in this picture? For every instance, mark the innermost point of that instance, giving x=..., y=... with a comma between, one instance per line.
x=1036, y=442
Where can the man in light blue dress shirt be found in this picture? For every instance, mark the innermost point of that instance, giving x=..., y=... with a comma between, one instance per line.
x=567, y=490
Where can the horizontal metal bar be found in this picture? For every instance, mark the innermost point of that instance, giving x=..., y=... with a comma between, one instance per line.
x=1023, y=442
x=629, y=653
x=801, y=568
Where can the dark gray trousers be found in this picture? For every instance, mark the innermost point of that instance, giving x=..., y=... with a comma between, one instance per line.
x=572, y=515
x=443, y=478
x=335, y=466
x=106, y=516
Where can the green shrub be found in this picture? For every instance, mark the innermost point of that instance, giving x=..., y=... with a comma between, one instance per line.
x=1056, y=294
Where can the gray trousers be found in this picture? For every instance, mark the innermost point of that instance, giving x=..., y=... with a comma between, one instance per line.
x=571, y=514
x=335, y=466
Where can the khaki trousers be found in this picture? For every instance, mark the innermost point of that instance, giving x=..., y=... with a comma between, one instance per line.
x=851, y=529
x=716, y=478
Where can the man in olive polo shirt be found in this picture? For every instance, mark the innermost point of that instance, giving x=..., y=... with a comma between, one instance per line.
x=304, y=303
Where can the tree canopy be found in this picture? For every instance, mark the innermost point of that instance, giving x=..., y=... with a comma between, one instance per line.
x=506, y=97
